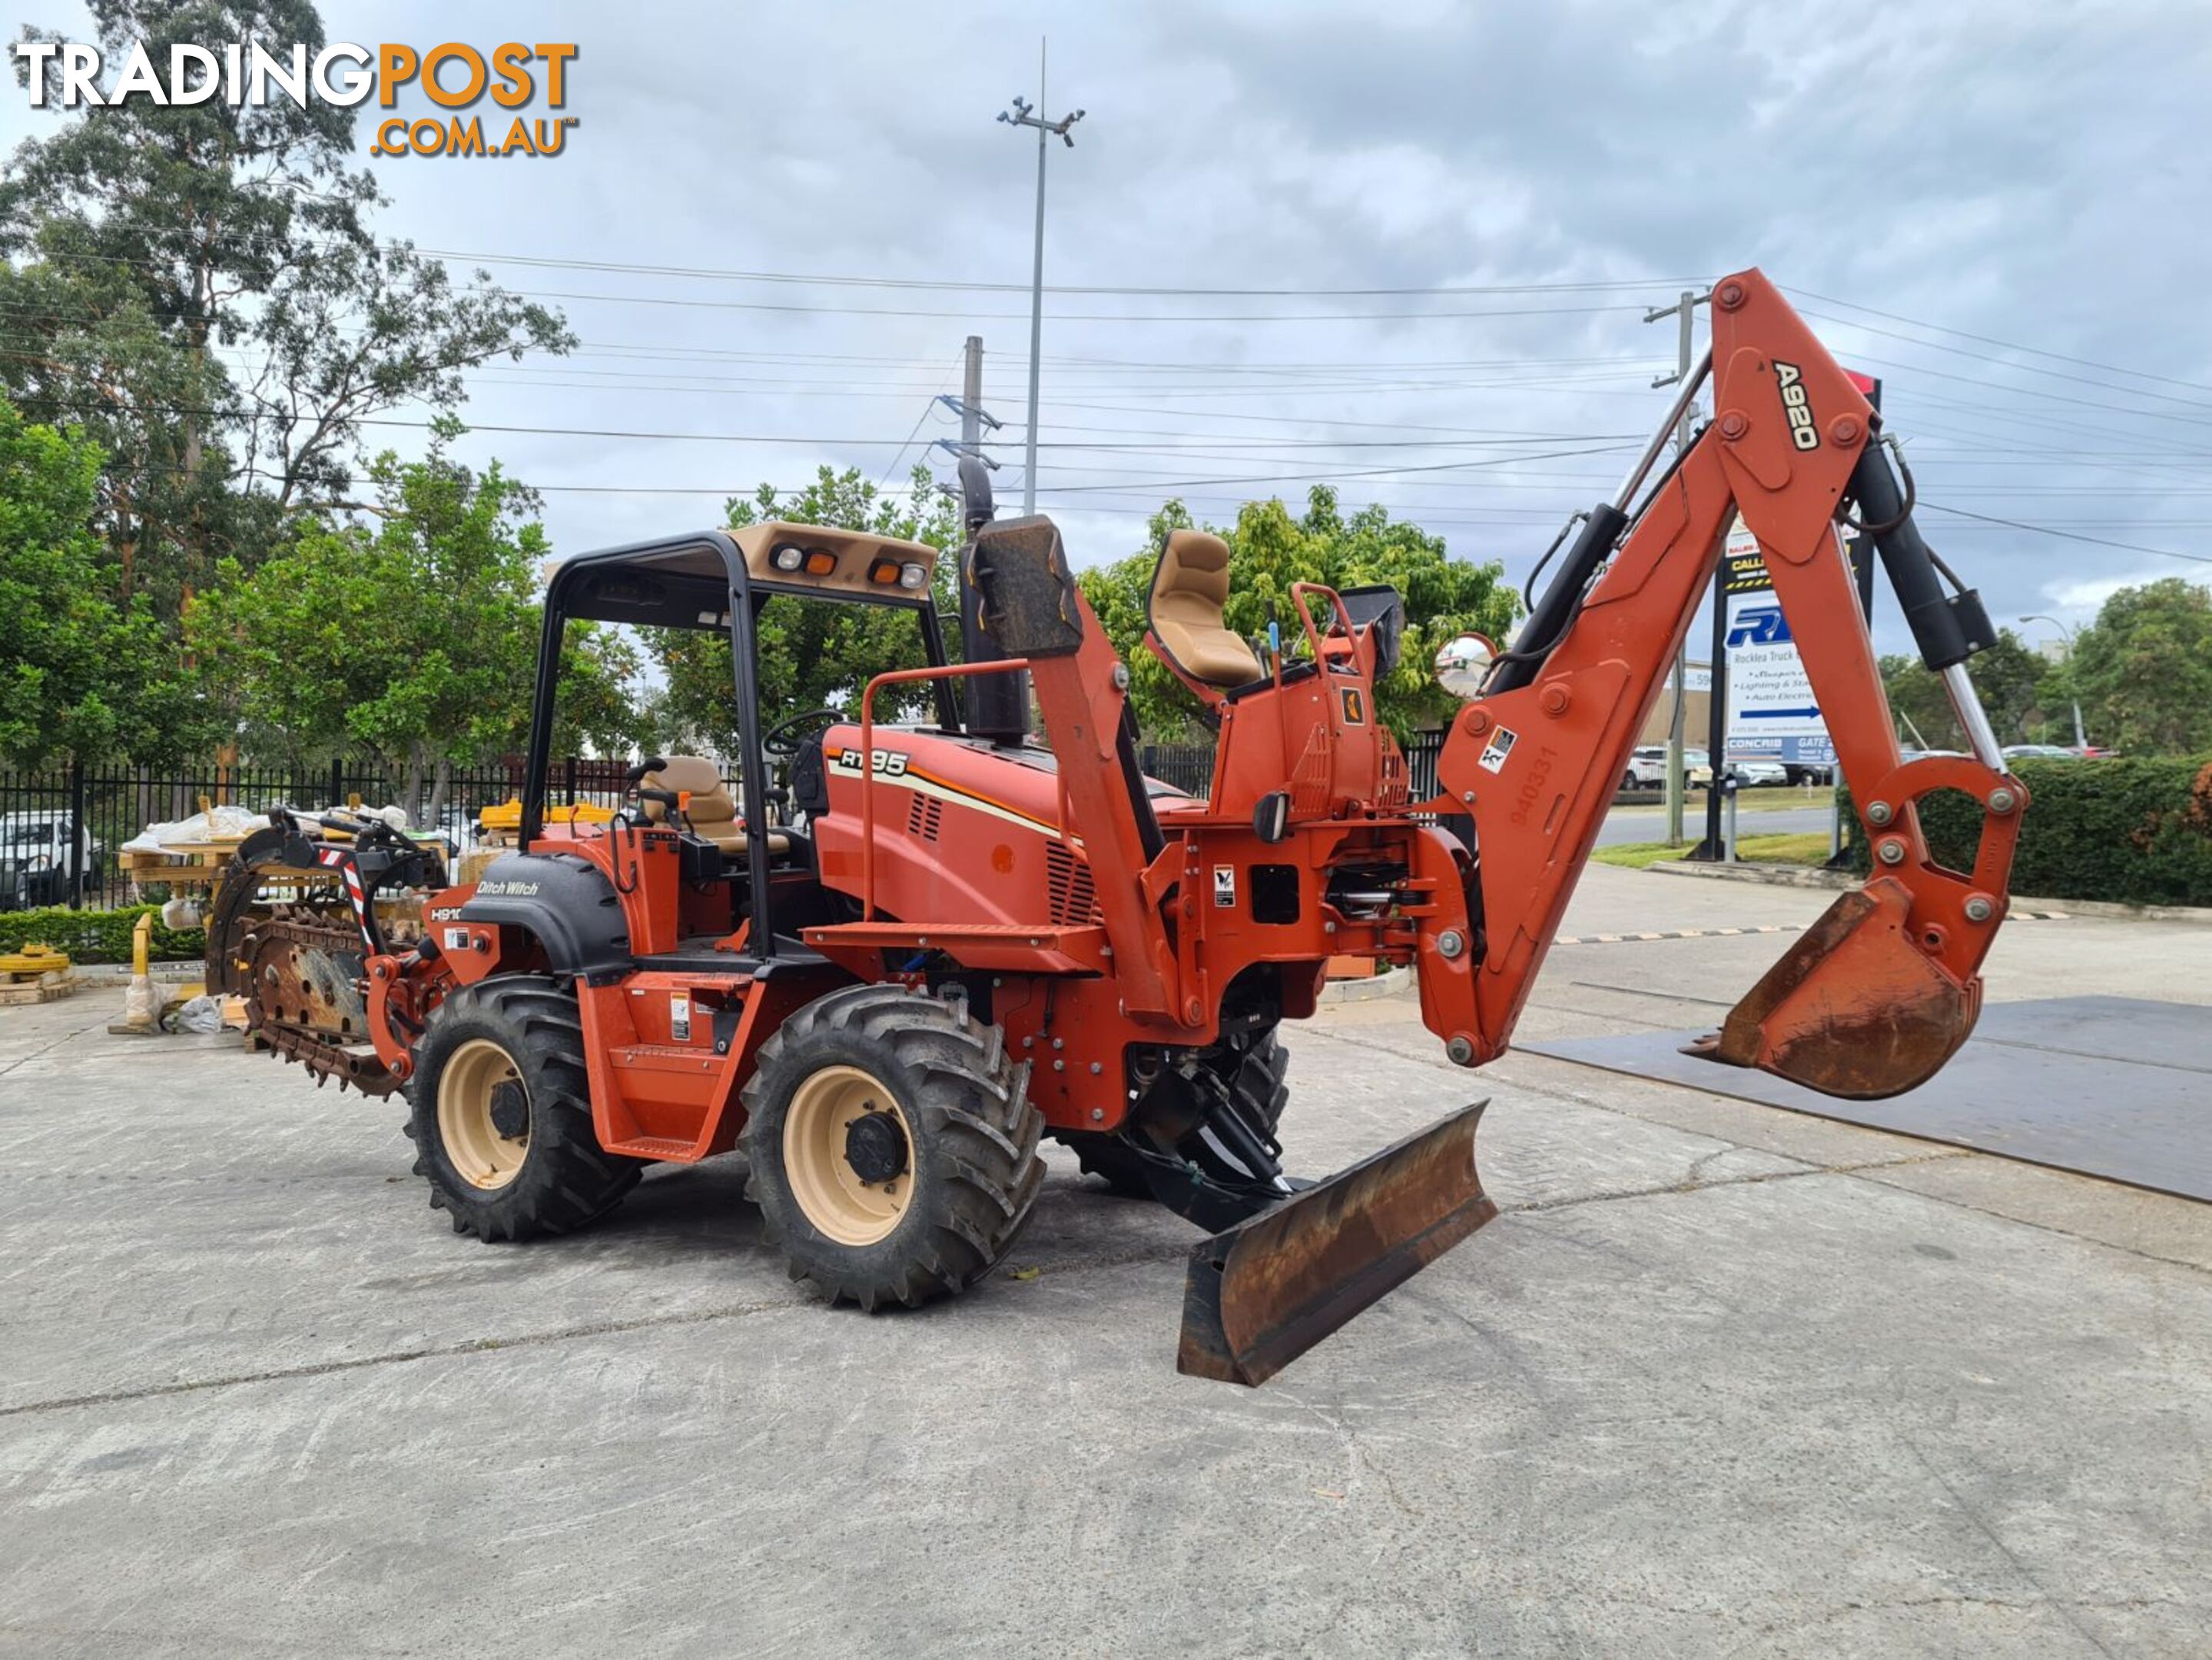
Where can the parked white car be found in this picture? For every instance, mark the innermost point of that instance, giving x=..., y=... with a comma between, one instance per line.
x=1751, y=774
x=36, y=865
x=1647, y=768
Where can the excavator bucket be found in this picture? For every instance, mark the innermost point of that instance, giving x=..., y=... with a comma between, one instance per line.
x=1262, y=1294
x=1856, y=1008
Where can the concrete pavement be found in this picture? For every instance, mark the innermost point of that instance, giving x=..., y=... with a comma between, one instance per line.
x=1721, y=1380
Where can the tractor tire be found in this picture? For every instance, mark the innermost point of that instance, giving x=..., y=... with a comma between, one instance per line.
x=1261, y=1080
x=928, y=1195
x=501, y=1114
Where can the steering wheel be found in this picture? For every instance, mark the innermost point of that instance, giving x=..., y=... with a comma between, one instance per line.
x=785, y=739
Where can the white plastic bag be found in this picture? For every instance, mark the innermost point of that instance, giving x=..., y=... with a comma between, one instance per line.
x=201, y=1013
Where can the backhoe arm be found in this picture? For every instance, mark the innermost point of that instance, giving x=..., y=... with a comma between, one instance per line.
x=1879, y=993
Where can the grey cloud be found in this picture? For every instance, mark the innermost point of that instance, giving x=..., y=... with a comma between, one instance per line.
x=2028, y=173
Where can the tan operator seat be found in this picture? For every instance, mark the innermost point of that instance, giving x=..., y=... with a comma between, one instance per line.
x=1189, y=586
x=713, y=814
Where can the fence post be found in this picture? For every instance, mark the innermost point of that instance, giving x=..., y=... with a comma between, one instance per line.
x=80, y=843
x=337, y=781
x=571, y=768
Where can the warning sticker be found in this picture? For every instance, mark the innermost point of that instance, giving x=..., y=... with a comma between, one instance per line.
x=457, y=939
x=1224, y=886
x=679, y=1016
x=1500, y=746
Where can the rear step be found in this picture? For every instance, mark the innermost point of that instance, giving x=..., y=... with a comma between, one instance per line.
x=1262, y=1294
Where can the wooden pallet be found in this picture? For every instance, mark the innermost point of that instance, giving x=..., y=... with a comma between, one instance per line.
x=185, y=865
x=16, y=992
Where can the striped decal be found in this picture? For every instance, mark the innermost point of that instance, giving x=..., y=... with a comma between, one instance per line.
x=922, y=783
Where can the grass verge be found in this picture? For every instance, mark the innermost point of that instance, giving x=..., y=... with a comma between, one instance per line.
x=1809, y=849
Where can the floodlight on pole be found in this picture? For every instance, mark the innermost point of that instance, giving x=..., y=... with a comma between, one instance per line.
x=2080, y=733
x=1023, y=114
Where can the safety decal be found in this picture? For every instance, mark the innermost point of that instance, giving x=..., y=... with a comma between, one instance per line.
x=1355, y=706
x=1500, y=746
x=679, y=1017
x=1224, y=886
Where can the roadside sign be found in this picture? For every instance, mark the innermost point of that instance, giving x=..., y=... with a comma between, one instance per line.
x=1772, y=714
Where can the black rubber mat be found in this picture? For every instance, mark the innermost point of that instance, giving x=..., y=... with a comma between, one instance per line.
x=2116, y=1087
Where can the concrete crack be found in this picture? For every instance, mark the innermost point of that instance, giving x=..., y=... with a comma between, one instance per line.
x=428, y=1352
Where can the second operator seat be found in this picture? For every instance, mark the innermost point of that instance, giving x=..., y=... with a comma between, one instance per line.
x=1190, y=586
x=712, y=813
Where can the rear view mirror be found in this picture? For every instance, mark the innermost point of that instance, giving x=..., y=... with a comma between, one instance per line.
x=1462, y=664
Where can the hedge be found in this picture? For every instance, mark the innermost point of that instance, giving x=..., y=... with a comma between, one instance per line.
x=2135, y=830
x=98, y=936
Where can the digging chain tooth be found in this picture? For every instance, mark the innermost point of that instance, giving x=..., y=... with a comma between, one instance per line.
x=288, y=948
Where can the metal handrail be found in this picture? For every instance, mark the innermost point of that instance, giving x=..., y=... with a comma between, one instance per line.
x=897, y=677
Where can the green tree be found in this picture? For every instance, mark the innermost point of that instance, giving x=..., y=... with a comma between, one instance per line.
x=417, y=637
x=813, y=655
x=1269, y=550
x=159, y=240
x=2143, y=669
x=2015, y=682
x=78, y=673
x=597, y=708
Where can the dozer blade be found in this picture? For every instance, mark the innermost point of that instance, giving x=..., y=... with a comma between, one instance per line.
x=1855, y=1008
x=1263, y=1292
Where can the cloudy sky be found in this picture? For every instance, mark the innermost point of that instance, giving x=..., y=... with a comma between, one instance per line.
x=1406, y=249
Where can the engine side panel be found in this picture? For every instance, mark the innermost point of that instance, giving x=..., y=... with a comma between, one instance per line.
x=963, y=832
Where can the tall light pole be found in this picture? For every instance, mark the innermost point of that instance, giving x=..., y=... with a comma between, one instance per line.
x=2080, y=742
x=1686, y=310
x=1023, y=115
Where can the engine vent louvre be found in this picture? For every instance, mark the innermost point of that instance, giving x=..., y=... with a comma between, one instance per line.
x=1396, y=783
x=923, y=818
x=1074, y=899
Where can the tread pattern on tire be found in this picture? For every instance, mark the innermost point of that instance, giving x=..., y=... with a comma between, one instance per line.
x=568, y=1181
x=1261, y=1078
x=971, y=1100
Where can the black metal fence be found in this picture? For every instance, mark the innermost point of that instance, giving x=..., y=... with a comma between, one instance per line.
x=112, y=804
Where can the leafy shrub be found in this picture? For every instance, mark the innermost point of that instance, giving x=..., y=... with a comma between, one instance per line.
x=98, y=936
x=2135, y=830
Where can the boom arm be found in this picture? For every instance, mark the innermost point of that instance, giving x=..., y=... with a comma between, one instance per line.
x=1877, y=996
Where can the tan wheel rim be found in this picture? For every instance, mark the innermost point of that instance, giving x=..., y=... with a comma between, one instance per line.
x=836, y=1200
x=482, y=1156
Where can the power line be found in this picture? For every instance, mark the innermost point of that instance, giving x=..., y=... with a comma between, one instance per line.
x=1444, y=290
x=932, y=284
x=2068, y=536
x=2009, y=345
x=2003, y=362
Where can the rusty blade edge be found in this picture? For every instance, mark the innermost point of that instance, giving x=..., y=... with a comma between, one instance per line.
x=1230, y=1270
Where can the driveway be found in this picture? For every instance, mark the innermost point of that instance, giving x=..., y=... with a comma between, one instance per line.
x=1721, y=1380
